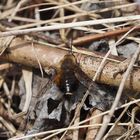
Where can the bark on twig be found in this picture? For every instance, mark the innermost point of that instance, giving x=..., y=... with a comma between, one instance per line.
x=20, y=51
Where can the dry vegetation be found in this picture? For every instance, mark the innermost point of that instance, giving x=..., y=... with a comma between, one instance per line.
x=69, y=70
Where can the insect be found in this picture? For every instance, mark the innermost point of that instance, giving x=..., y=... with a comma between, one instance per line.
x=70, y=75
x=66, y=79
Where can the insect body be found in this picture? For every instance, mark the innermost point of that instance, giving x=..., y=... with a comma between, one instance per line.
x=66, y=79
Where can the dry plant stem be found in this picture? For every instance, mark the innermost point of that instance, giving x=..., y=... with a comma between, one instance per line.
x=70, y=4
x=24, y=19
x=13, y=87
x=92, y=131
x=37, y=15
x=27, y=75
x=16, y=9
x=34, y=5
x=62, y=31
x=21, y=52
x=8, y=125
x=116, y=122
x=77, y=119
x=6, y=89
x=82, y=122
x=92, y=37
x=113, y=49
x=134, y=111
x=70, y=25
x=107, y=118
x=7, y=92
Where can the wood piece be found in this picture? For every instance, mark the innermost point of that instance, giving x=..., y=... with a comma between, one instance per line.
x=92, y=131
x=20, y=51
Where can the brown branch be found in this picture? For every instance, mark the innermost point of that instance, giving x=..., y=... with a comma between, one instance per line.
x=20, y=51
x=92, y=37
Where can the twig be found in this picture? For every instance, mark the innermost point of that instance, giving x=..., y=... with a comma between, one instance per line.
x=93, y=37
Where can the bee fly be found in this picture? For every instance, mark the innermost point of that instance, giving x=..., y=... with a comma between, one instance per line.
x=66, y=79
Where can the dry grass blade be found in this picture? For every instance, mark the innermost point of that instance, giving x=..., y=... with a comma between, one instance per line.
x=27, y=74
x=76, y=132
